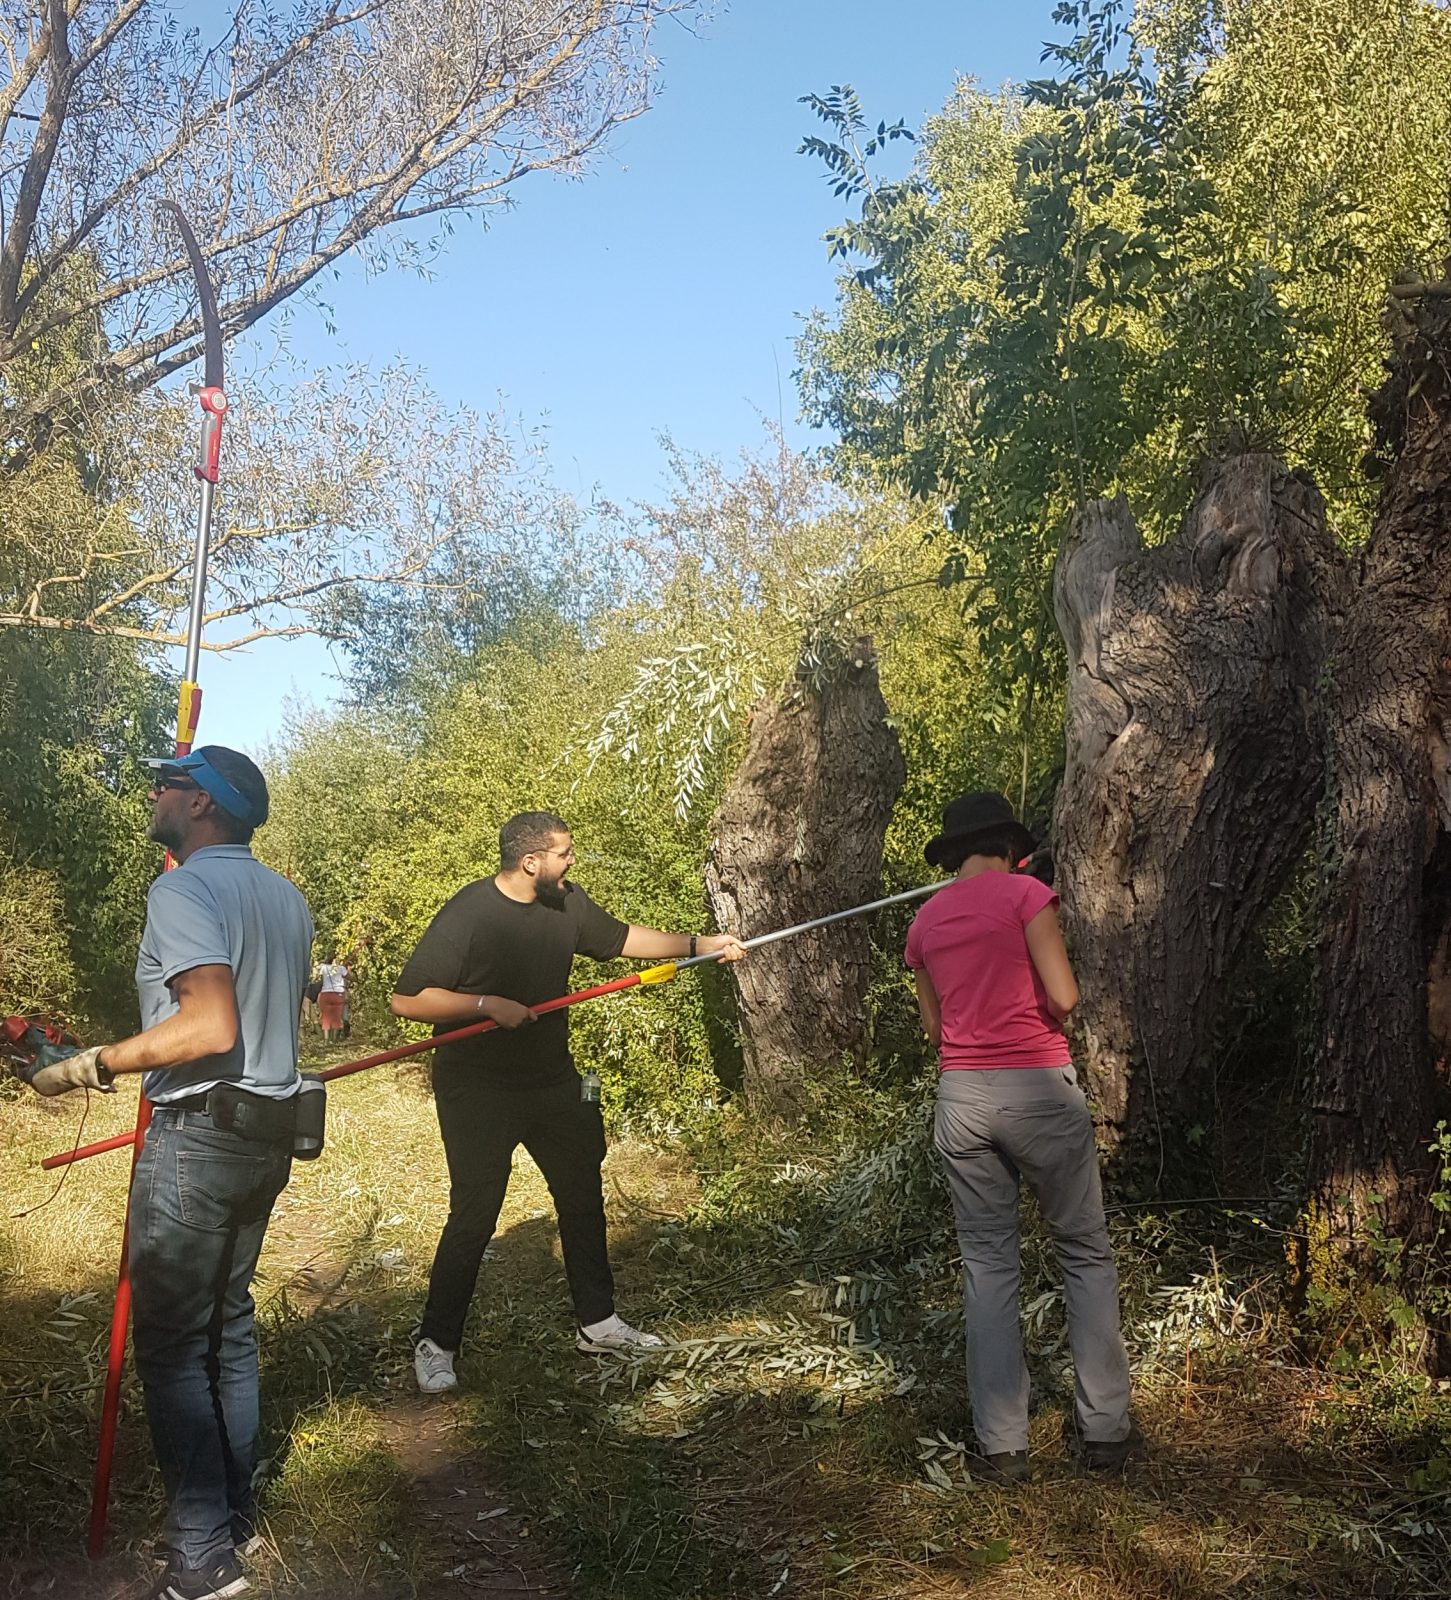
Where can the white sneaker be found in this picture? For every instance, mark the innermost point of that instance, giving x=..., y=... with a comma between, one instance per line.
x=615, y=1336
x=433, y=1367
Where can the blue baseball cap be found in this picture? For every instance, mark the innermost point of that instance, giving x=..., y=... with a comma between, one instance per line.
x=233, y=780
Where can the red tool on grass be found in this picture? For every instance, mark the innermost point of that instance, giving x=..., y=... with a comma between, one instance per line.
x=29, y=1043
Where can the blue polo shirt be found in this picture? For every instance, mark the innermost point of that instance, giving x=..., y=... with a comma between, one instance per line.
x=223, y=907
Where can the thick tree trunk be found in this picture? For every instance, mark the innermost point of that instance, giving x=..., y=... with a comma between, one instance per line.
x=1193, y=761
x=1385, y=998
x=799, y=834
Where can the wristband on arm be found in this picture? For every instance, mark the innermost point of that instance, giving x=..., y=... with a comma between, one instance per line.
x=693, y=938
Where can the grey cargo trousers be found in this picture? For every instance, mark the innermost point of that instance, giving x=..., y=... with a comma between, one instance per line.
x=994, y=1126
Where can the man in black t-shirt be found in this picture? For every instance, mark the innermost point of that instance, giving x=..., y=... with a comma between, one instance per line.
x=499, y=947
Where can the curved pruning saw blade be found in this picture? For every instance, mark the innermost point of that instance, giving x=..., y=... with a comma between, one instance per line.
x=211, y=325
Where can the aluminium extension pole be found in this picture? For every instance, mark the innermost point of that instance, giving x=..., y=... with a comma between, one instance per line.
x=213, y=401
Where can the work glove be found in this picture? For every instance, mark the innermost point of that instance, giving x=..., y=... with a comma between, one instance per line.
x=80, y=1071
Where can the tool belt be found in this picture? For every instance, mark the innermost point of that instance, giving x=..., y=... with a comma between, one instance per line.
x=239, y=1111
x=296, y=1121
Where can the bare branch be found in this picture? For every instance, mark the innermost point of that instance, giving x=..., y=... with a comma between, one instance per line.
x=42, y=151
x=291, y=144
x=351, y=483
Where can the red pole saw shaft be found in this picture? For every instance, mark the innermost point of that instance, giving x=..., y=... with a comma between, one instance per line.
x=384, y=1057
x=120, y=1140
x=117, y=1142
x=659, y=974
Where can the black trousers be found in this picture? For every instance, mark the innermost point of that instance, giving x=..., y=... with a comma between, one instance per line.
x=481, y=1125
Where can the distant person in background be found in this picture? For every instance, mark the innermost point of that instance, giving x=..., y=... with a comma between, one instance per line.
x=993, y=987
x=332, y=997
x=310, y=1011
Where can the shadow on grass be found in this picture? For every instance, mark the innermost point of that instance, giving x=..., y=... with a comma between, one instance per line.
x=767, y=1481
x=711, y=1476
x=715, y=1476
x=51, y=1382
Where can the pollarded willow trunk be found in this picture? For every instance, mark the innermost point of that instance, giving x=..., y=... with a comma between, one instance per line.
x=1385, y=979
x=798, y=835
x=1193, y=761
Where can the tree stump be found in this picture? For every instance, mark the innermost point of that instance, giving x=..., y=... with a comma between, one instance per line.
x=1194, y=753
x=1385, y=973
x=799, y=835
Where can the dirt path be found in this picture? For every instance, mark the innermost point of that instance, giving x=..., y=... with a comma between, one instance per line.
x=476, y=1544
x=73, y=1578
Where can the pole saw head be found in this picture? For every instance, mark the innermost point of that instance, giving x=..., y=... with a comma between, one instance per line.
x=29, y=1043
x=1038, y=865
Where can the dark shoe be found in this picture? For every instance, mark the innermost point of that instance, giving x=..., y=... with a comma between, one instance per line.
x=220, y=1579
x=1002, y=1466
x=1112, y=1456
x=246, y=1541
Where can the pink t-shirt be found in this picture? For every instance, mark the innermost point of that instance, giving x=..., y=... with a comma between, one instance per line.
x=969, y=937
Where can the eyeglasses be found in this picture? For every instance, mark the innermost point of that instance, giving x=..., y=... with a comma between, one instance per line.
x=173, y=783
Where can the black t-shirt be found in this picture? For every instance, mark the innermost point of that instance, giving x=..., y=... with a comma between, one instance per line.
x=482, y=942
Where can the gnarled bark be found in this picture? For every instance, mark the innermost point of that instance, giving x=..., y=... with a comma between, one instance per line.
x=798, y=835
x=1193, y=761
x=1385, y=994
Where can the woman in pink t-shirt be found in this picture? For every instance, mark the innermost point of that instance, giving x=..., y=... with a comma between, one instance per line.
x=993, y=986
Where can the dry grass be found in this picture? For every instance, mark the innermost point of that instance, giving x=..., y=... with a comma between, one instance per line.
x=786, y=1447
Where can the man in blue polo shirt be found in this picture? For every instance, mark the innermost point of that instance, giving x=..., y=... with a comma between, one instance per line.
x=223, y=963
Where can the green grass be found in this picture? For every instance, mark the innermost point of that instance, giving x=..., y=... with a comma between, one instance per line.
x=804, y=1438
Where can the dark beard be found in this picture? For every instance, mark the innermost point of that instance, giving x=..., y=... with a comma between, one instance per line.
x=158, y=832
x=552, y=894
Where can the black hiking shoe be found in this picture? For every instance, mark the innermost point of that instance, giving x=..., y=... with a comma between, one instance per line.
x=1110, y=1457
x=219, y=1579
x=1001, y=1466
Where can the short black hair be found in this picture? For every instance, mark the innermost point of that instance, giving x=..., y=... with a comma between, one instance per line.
x=525, y=833
x=245, y=776
x=1000, y=842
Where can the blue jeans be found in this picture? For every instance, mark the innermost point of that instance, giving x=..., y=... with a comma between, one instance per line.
x=200, y=1201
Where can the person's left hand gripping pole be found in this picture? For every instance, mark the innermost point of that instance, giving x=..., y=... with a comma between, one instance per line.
x=212, y=398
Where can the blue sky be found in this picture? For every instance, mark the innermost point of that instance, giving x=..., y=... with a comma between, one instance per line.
x=660, y=292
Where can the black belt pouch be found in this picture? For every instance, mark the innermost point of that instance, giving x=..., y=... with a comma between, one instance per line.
x=251, y=1116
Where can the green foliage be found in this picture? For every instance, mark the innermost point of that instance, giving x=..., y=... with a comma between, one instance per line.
x=76, y=717
x=629, y=726
x=1377, y=1309
x=1088, y=284
x=36, y=970
x=77, y=713
x=749, y=583
x=332, y=785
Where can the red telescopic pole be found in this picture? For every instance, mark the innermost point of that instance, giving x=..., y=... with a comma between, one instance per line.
x=347, y=1068
x=213, y=401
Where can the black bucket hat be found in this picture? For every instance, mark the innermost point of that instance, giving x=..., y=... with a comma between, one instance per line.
x=974, y=814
